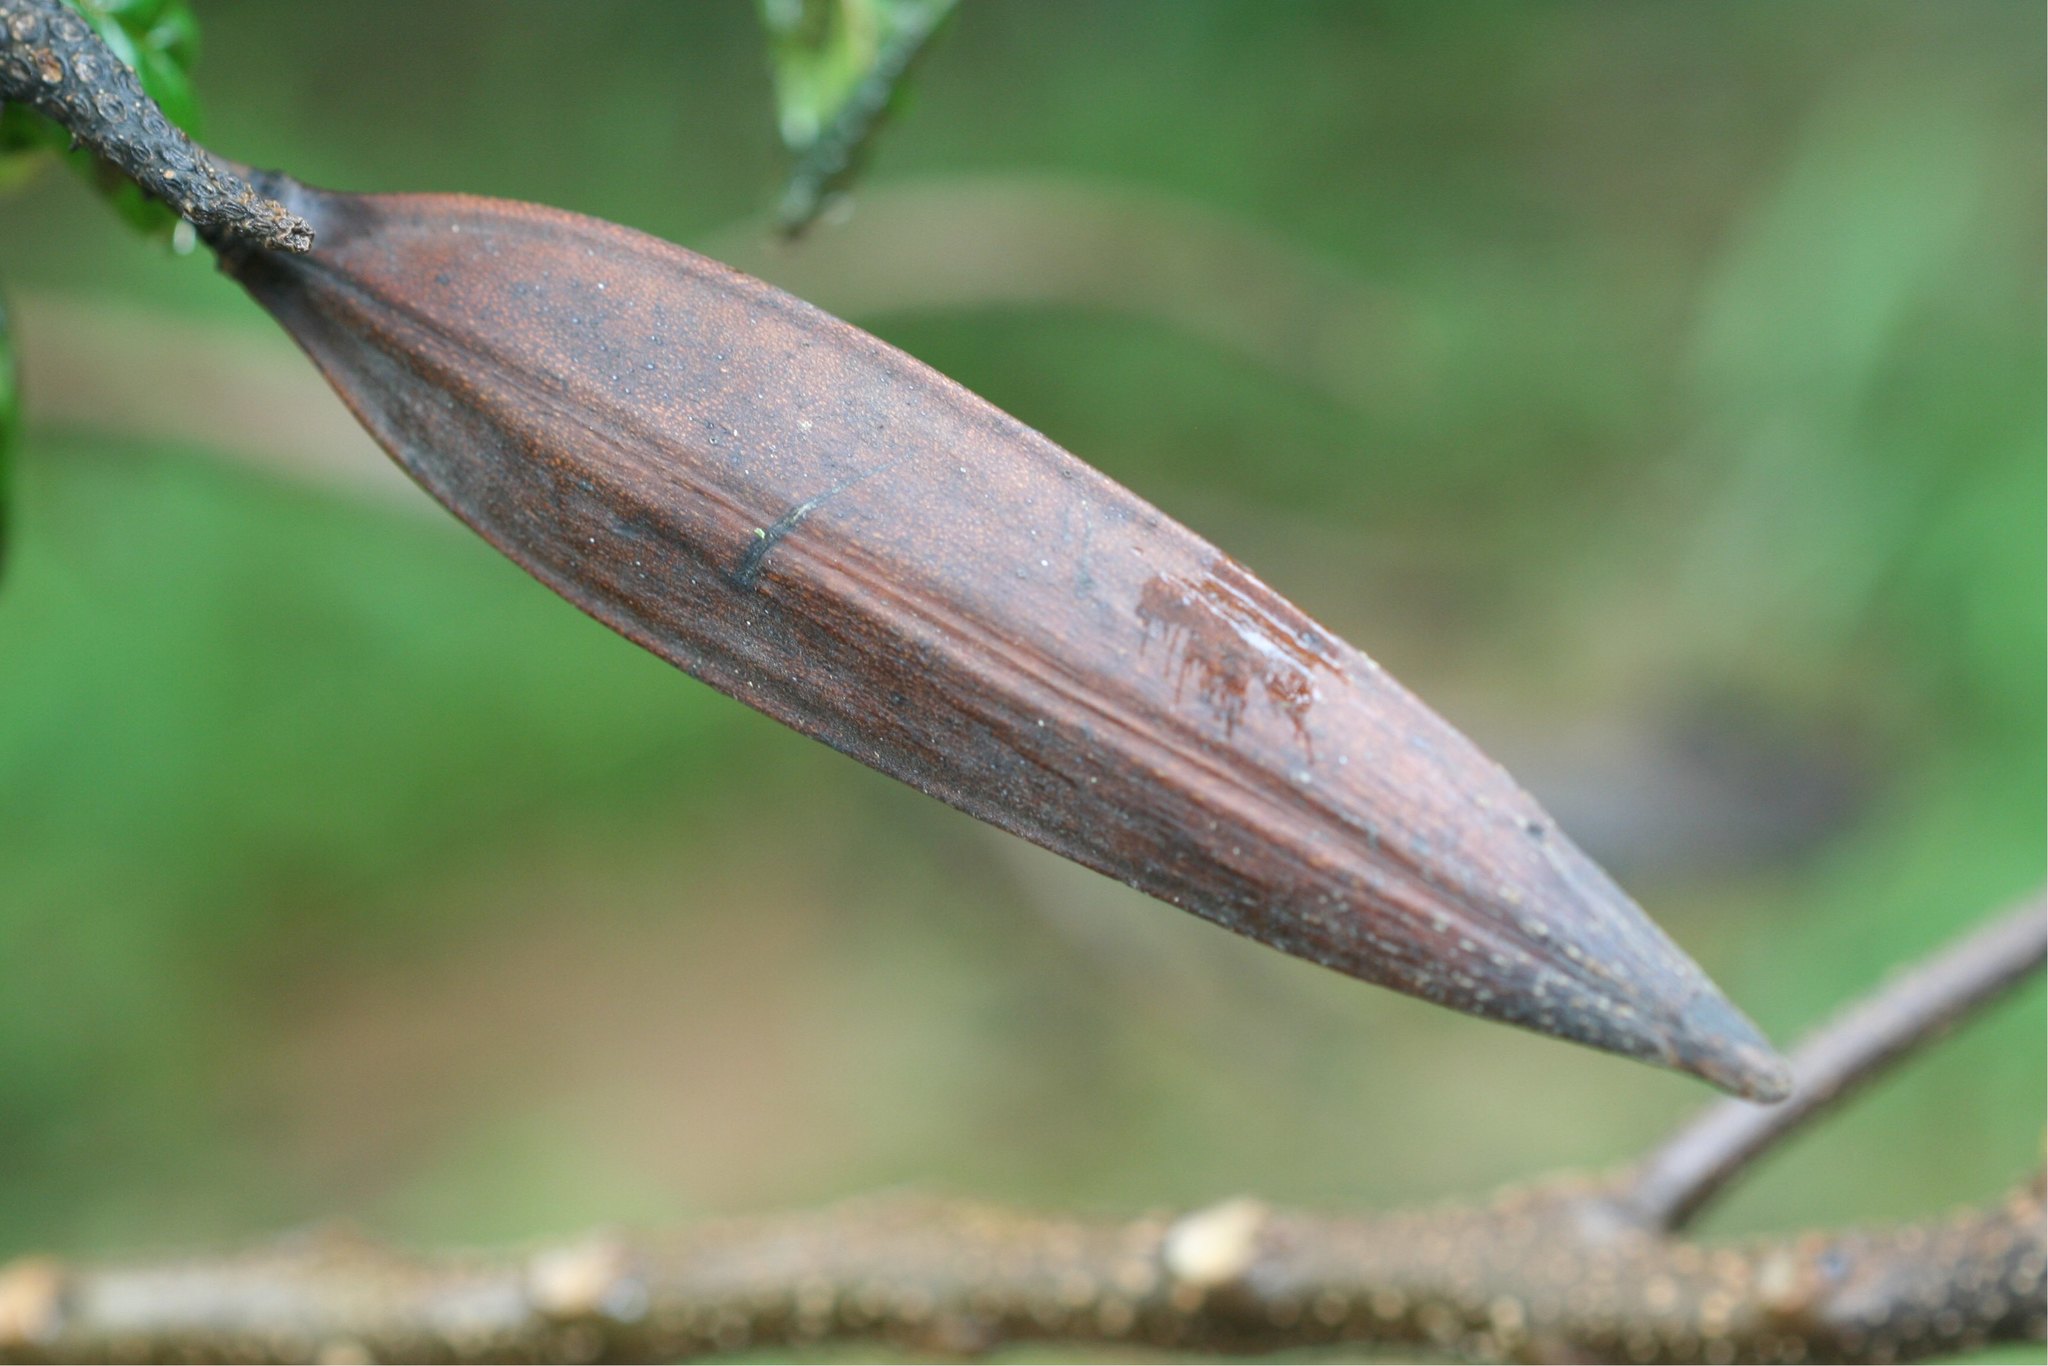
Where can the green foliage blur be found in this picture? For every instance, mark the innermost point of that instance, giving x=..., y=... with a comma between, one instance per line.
x=839, y=67
x=1656, y=389
x=820, y=51
x=10, y=426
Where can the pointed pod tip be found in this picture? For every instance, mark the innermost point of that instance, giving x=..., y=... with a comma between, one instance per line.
x=1716, y=1042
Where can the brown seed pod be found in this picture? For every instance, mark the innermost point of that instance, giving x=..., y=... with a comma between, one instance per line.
x=826, y=529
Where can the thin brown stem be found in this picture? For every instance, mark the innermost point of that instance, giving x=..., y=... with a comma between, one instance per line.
x=52, y=61
x=1869, y=1038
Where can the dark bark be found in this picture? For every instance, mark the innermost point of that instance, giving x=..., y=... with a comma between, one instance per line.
x=52, y=61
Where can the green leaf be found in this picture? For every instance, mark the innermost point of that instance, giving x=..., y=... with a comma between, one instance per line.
x=159, y=39
x=839, y=69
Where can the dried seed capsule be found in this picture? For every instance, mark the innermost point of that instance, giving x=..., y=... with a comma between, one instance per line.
x=822, y=527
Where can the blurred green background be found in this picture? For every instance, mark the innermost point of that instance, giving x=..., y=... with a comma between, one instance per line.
x=1657, y=389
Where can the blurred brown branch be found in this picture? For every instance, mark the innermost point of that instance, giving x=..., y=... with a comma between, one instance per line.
x=1529, y=1276
x=1569, y=1268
